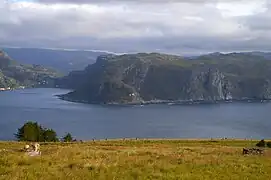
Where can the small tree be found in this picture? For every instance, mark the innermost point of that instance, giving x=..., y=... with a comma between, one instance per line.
x=68, y=137
x=268, y=144
x=49, y=135
x=33, y=132
x=261, y=143
x=30, y=131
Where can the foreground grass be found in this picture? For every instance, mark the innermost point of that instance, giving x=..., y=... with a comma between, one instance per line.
x=136, y=159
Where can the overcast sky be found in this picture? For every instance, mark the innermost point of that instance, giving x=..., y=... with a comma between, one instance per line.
x=172, y=26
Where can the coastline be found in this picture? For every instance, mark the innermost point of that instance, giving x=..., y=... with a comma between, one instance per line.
x=11, y=89
x=168, y=102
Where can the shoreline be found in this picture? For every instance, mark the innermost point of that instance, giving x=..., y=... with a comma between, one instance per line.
x=167, y=102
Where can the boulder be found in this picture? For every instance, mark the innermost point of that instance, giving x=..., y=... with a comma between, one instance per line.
x=253, y=151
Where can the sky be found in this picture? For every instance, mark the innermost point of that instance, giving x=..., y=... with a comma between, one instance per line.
x=169, y=26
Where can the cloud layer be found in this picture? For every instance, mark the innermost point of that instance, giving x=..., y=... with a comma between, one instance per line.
x=182, y=27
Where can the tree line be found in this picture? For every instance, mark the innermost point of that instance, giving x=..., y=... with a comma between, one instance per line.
x=33, y=132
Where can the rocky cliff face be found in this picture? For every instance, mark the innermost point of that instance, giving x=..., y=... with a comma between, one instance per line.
x=156, y=77
x=209, y=85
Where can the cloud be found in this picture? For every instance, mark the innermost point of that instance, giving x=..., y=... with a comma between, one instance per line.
x=259, y=22
x=131, y=1
x=148, y=25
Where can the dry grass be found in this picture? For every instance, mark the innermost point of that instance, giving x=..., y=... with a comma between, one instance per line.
x=131, y=159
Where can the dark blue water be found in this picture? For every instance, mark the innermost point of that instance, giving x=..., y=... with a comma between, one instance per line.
x=237, y=120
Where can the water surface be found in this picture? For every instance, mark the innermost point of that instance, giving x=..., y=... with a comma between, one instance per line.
x=84, y=121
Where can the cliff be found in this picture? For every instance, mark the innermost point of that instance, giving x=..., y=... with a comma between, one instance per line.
x=141, y=78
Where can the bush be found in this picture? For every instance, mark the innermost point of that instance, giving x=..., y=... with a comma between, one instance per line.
x=268, y=144
x=261, y=143
x=49, y=135
x=33, y=132
x=68, y=138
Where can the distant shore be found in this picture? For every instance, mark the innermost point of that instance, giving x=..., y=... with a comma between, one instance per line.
x=10, y=89
x=169, y=102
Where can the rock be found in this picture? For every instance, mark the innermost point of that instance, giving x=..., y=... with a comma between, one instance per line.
x=252, y=151
x=36, y=147
x=34, y=153
x=26, y=147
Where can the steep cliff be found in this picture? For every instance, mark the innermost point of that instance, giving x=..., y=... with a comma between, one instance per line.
x=164, y=78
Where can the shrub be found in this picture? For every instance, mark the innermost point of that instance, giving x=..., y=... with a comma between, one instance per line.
x=33, y=132
x=68, y=138
x=49, y=135
x=261, y=143
x=268, y=144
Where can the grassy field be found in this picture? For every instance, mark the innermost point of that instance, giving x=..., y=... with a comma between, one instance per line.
x=136, y=159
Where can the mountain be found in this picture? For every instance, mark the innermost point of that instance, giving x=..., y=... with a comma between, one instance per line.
x=266, y=55
x=60, y=59
x=13, y=74
x=143, y=78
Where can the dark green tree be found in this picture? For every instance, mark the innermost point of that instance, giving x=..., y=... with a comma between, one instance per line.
x=49, y=135
x=33, y=132
x=68, y=137
x=268, y=144
x=30, y=131
x=261, y=143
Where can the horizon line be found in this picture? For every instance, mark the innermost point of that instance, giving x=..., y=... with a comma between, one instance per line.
x=123, y=53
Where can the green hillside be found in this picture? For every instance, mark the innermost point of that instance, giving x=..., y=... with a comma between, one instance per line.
x=14, y=74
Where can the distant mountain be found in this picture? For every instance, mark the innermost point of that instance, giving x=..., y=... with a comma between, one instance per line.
x=62, y=60
x=266, y=55
x=144, y=78
x=14, y=74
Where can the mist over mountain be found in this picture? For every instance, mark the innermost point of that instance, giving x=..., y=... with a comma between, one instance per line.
x=60, y=59
x=14, y=74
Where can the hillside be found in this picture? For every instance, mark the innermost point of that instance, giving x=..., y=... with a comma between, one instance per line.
x=14, y=74
x=136, y=159
x=61, y=60
x=154, y=78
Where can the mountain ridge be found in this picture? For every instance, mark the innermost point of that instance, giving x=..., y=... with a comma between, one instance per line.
x=154, y=77
x=60, y=59
x=14, y=74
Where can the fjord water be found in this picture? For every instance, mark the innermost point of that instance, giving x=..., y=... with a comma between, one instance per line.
x=84, y=121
